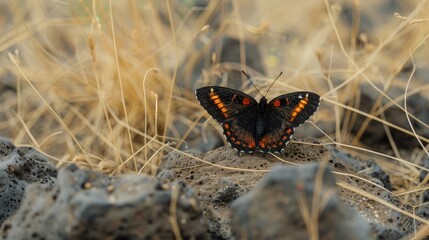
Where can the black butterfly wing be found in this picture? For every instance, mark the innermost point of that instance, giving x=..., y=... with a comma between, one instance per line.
x=235, y=110
x=277, y=134
x=296, y=107
x=284, y=113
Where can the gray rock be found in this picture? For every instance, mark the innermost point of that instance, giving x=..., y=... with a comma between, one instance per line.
x=229, y=192
x=370, y=167
x=214, y=186
x=88, y=205
x=423, y=211
x=20, y=166
x=292, y=203
x=217, y=187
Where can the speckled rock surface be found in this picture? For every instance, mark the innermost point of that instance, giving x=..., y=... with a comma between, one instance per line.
x=88, y=205
x=20, y=166
x=289, y=201
x=217, y=187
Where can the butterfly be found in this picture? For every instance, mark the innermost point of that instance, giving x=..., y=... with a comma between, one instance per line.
x=263, y=126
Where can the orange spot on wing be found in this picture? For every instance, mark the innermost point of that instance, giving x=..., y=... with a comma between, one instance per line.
x=301, y=105
x=276, y=103
x=224, y=110
x=228, y=133
x=304, y=101
x=251, y=142
x=284, y=138
x=246, y=101
x=220, y=105
x=216, y=101
x=226, y=125
x=266, y=141
x=294, y=114
x=213, y=96
x=289, y=131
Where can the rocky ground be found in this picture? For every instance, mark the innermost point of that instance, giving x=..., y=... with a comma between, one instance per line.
x=190, y=199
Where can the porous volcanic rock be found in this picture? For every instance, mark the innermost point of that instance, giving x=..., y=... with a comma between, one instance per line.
x=89, y=205
x=294, y=203
x=20, y=166
x=219, y=177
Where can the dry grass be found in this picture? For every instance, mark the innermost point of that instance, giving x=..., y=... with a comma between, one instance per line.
x=100, y=83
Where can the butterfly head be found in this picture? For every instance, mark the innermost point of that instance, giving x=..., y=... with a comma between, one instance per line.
x=263, y=96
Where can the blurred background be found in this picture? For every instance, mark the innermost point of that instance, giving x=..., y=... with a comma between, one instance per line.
x=109, y=85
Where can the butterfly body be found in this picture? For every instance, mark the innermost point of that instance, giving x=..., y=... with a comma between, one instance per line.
x=262, y=126
x=261, y=118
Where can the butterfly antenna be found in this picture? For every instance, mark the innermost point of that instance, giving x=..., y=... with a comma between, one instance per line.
x=273, y=83
x=248, y=77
